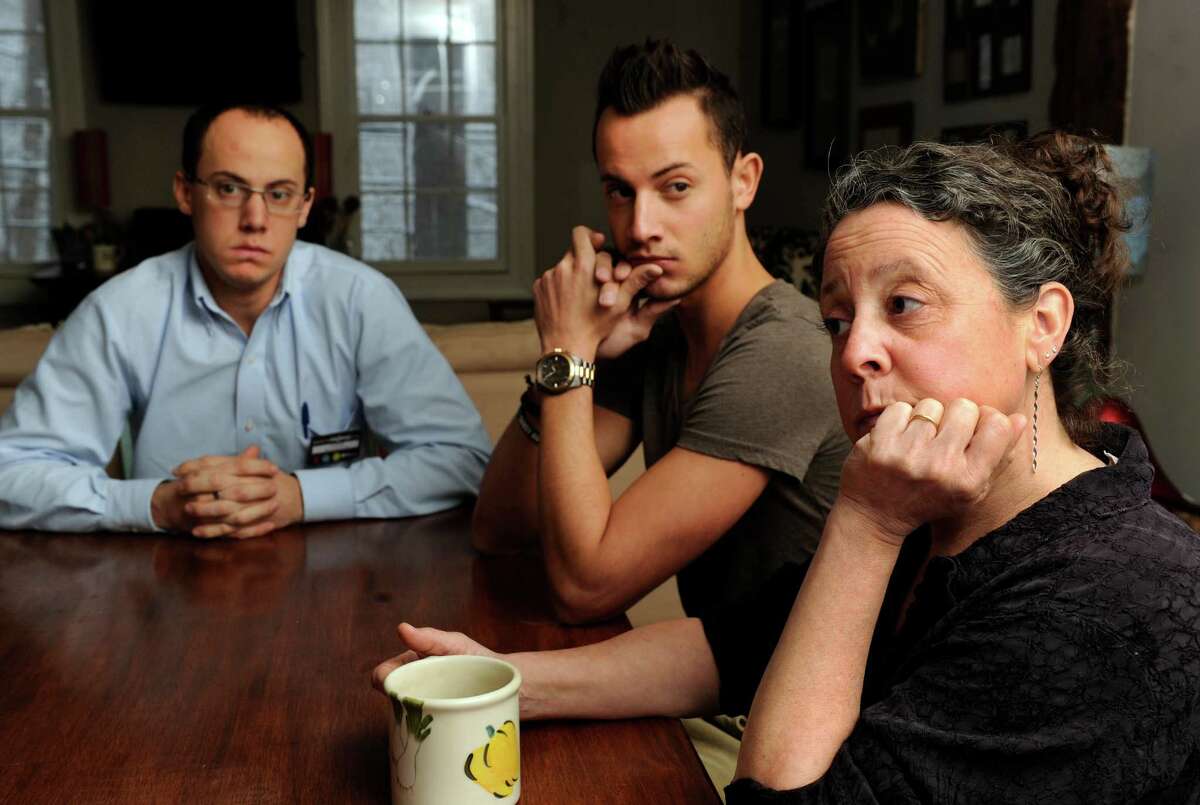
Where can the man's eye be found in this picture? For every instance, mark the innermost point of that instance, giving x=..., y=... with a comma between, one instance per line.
x=280, y=194
x=228, y=189
x=835, y=327
x=679, y=187
x=619, y=192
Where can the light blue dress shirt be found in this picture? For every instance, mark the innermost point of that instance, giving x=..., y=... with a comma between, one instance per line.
x=152, y=349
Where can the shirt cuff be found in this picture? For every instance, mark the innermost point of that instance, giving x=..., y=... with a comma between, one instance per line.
x=129, y=505
x=328, y=493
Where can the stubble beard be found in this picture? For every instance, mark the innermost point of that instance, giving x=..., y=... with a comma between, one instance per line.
x=712, y=253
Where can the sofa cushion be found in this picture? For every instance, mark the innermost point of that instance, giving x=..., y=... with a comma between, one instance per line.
x=20, y=349
x=489, y=346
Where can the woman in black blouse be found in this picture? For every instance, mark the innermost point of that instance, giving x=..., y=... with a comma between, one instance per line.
x=996, y=612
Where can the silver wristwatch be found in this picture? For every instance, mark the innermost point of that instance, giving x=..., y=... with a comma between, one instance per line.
x=559, y=370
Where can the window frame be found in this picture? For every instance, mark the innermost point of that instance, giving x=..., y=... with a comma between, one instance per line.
x=511, y=275
x=66, y=116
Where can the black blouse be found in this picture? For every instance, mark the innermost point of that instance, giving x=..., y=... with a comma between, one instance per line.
x=1056, y=660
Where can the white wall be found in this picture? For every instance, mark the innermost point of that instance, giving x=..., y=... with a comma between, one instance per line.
x=1158, y=318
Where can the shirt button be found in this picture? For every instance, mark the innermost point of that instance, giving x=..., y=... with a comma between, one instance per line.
x=249, y=425
x=250, y=360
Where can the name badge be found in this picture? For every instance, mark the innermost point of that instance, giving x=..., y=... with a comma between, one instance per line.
x=334, y=448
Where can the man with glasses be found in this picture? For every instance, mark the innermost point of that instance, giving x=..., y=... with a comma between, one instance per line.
x=250, y=369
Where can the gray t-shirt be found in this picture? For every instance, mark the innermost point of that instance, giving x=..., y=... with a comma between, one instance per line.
x=765, y=400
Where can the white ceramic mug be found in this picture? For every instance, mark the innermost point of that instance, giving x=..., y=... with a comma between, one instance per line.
x=455, y=734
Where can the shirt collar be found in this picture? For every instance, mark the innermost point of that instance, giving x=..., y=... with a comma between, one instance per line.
x=290, y=284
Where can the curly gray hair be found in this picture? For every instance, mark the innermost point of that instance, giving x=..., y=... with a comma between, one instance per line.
x=1044, y=210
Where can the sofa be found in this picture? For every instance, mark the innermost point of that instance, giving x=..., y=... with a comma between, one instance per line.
x=490, y=358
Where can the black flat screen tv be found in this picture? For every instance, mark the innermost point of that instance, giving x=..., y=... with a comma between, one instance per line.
x=191, y=53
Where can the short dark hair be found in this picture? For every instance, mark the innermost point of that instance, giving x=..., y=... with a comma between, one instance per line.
x=199, y=122
x=638, y=78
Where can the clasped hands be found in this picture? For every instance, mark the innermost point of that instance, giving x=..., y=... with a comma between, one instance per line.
x=589, y=305
x=238, y=496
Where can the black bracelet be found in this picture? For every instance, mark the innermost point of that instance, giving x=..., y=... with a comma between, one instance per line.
x=532, y=432
x=529, y=402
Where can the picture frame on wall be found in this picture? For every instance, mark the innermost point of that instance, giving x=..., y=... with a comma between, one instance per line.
x=782, y=64
x=891, y=40
x=826, y=51
x=1011, y=130
x=987, y=48
x=888, y=124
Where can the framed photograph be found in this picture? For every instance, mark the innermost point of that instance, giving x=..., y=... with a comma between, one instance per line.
x=885, y=125
x=1013, y=130
x=988, y=48
x=891, y=40
x=782, y=64
x=827, y=85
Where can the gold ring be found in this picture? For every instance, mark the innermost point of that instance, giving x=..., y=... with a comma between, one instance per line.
x=928, y=419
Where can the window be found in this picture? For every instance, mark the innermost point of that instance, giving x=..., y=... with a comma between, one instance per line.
x=25, y=134
x=435, y=139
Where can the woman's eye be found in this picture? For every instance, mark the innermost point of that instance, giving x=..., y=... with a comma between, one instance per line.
x=678, y=187
x=618, y=192
x=835, y=327
x=903, y=304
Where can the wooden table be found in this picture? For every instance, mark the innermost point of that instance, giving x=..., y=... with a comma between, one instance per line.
x=140, y=668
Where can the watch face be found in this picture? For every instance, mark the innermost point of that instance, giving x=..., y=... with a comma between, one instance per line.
x=554, y=371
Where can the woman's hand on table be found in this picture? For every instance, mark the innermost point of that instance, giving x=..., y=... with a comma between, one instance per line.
x=427, y=642
x=924, y=463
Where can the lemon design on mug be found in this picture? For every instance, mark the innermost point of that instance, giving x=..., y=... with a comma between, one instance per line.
x=496, y=765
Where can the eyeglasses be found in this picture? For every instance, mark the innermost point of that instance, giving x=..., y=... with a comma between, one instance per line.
x=282, y=200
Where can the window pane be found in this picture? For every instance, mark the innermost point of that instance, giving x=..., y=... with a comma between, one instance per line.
x=382, y=151
x=482, y=232
x=425, y=82
x=376, y=19
x=439, y=226
x=434, y=161
x=378, y=70
x=24, y=142
x=24, y=79
x=426, y=19
x=472, y=21
x=24, y=179
x=473, y=79
x=21, y=15
x=479, y=144
x=384, y=226
x=453, y=156
x=30, y=207
x=28, y=244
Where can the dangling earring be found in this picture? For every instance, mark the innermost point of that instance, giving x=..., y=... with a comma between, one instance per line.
x=1037, y=383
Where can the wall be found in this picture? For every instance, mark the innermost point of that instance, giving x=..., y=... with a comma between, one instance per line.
x=144, y=141
x=792, y=194
x=1157, y=327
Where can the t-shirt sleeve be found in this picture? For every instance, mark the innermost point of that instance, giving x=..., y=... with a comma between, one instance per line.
x=767, y=399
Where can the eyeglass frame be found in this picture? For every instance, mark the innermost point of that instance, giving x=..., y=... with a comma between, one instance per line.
x=248, y=191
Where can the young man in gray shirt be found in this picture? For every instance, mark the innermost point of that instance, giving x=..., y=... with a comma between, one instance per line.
x=721, y=371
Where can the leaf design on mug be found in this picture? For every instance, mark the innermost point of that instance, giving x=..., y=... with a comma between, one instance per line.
x=410, y=713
